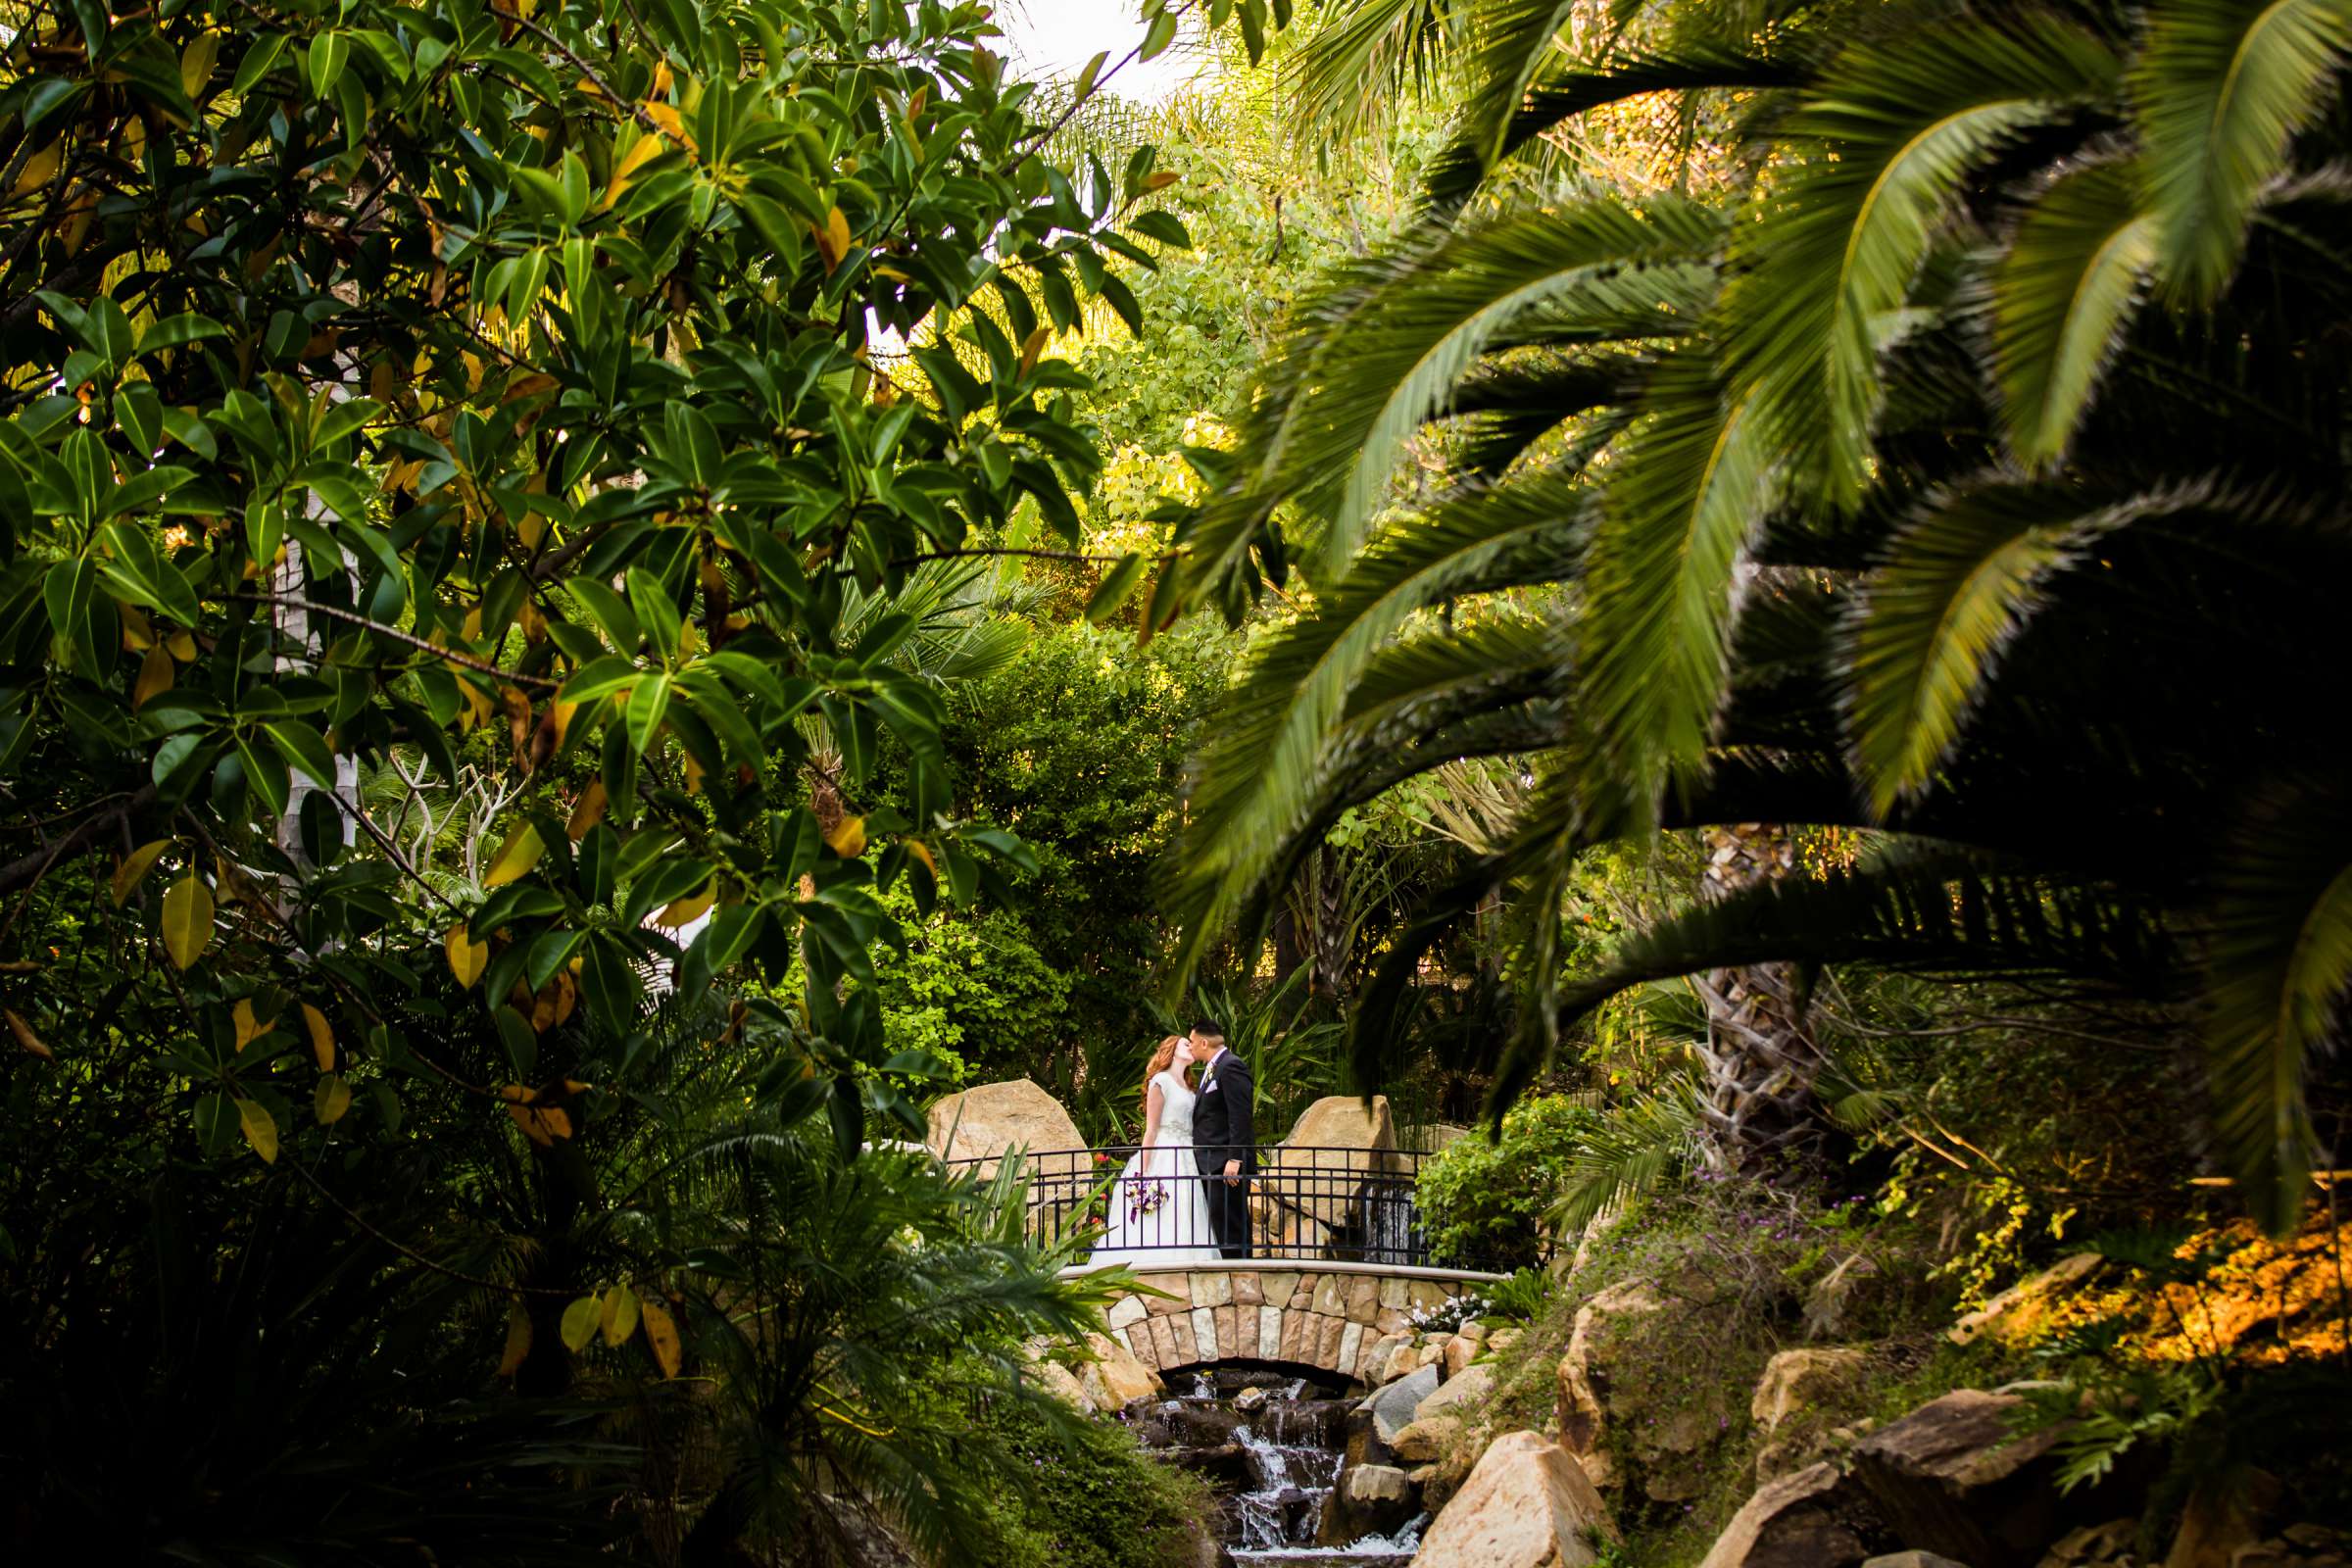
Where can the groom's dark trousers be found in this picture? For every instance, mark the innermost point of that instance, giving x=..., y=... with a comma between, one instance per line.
x=1223, y=1132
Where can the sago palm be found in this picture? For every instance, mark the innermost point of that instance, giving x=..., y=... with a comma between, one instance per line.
x=1973, y=473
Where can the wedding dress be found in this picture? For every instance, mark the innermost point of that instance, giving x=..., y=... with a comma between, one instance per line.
x=1176, y=1229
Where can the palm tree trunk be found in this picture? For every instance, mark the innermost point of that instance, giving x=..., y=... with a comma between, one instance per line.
x=1761, y=1061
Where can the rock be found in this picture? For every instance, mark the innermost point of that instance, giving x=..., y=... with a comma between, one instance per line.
x=1583, y=1385
x=1367, y=1500
x=982, y=1123
x=1834, y=1296
x=1420, y=1442
x=2092, y=1544
x=1953, y=1476
x=1438, y=1136
x=2022, y=1306
x=1461, y=1397
x=1115, y=1377
x=1337, y=1138
x=1062, y=1383
x=1526, y=1504
x=1393, y=1409
x=1460, y=1350
x=2221, y=1519
x=1249, y=1399
x=1795, y=1379
x=1912, y=1559
x=859, y=1536
x=1502, y=1340
x=1473, y=1331
x=1815, y=1518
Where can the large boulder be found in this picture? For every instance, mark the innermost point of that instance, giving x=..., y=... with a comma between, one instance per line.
x=983, y=1123
x=1116, y=1377
x=1367, y=1500
x=1956, y=1477
x=1393, y=1409
x=1797, y=1380
x=1318, y=1170
x=1462, y=1396
x=1663, y=1450
x=1527, y=1505
x=1584, y=1383
x=1815, y=1518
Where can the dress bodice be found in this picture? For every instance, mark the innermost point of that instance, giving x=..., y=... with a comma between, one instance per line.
x=1175, y=1108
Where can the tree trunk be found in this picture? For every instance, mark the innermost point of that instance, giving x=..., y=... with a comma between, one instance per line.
x=1761, y=1061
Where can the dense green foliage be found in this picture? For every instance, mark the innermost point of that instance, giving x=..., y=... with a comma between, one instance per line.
x=1733, y=533
x=1486, y=1202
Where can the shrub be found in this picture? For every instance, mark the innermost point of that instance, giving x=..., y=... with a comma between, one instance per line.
x=1090, y=1497
x=1484, y=1200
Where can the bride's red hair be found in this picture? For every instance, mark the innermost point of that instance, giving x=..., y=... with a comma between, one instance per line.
x=1161, y=1059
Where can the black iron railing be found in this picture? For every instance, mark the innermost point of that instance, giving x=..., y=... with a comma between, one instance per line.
x=1306, y=1205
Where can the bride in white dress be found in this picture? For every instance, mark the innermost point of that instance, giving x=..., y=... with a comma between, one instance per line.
x=1158, y=1211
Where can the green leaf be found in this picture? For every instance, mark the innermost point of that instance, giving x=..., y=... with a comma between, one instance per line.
x=2062, y=294
x=2219, y=92
x=330, y=52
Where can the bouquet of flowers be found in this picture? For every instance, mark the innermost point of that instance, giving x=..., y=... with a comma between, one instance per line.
x=1146, y=1195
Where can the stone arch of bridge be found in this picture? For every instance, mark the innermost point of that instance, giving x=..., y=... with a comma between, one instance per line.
x=1336, y=1321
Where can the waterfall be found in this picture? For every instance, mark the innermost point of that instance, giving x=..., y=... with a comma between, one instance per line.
x=1270, y=1446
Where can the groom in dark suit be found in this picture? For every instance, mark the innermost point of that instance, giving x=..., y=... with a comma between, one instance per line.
x=1224, y=1140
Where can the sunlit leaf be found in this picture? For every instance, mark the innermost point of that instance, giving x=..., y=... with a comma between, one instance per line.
x=187, y=919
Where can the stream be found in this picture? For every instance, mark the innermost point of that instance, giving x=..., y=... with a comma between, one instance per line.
x=1271, y=1446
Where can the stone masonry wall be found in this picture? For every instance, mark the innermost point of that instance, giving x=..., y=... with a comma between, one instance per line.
x=1339, y=1321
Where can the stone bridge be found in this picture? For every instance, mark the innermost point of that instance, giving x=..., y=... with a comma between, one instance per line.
x=1335, y=1320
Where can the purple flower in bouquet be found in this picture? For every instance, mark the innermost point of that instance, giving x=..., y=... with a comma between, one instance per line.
x=1146, y=1197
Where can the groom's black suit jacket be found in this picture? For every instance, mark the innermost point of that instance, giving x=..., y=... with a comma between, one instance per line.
x=1221, y=1125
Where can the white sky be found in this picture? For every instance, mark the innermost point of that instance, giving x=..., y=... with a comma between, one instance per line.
x=1057, y=38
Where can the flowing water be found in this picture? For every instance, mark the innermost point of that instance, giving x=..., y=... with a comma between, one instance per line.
x=1271, y=1448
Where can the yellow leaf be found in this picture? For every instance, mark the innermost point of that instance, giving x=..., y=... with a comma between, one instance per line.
x=672, y=124
x=261, y=1129
x=323, y=1037
x=196, y=62
x=580, y=1321
x=187, y=920
x=662, y=1334
x=620, y=1316
x=134, y=868
x=26, y=1038
x=467, y=956
x=517, y=854
x=519, y=1340
x=517, y=1094
x=663, y=77
x=156, y=674
x=40, y=167
x=690, y=909
x=139, y=632
x=625, y=168
x=182, y=645
x=330, y=1099
x=847, y=838
x=588, y=813
x=541, y=1124
x=837, y=229
x=1032, y=346
x=1161, y=180
x=248, y=1027
x=923, y=851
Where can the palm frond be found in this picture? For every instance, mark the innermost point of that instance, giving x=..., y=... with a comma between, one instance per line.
x=2279, y=975
x=2061, y=297
x=1367, y=54
x=1930, y=910
x=1274, y=747
x=1691, y=489
x=1891, y=131
x=1962, y=579
x=1627, y=1152
x=1560, y=95
x=1381, y=349
x=2217, y=94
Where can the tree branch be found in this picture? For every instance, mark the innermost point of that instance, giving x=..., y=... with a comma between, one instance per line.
x=351, y=618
